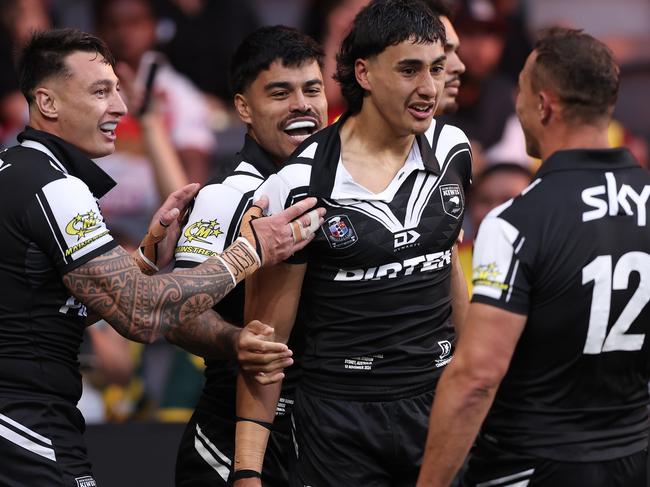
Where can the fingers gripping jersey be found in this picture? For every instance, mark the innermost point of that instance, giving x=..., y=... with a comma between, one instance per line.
x=376, y=297
x=50, y=223
x=572, y=252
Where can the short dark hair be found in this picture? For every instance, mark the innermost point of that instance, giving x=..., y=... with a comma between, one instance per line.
x=382, y=23
x=440, y=8
x=260, y=49
x=580, y=69
x=44, y=56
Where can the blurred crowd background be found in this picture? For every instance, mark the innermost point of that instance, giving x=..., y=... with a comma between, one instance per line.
x=192, y=116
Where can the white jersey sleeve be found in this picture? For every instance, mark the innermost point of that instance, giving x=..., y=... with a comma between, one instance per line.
x=498, y=275
x=65, y=220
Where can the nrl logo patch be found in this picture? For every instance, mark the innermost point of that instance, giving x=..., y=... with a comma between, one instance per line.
x=202, y=230
x=86, y=481
x=452, y=200
x=84, y=223
x=339, y=232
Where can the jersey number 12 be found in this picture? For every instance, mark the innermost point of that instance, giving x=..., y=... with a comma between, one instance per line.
x=599, y=270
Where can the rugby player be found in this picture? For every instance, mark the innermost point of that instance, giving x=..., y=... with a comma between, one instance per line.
x=555, y=342
x=278, y=93
x=376, y=294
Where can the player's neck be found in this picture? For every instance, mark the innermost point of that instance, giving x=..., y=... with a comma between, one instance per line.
x=566, y=137
x=371, y=132
x=372, y=154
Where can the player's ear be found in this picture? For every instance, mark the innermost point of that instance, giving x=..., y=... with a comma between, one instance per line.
x=45, y=102
x=546, y=106
x=362, y=74
x=243, y=109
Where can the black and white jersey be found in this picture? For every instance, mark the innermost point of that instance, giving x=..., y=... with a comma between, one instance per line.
x=50, y=223
x=572, y=252
x=212, y=226
x=376, y=297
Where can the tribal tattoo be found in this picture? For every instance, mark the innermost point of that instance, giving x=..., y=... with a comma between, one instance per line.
x=141, y=307
x=207, y=335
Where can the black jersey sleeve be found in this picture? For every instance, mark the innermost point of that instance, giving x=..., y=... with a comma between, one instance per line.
x=64, y=220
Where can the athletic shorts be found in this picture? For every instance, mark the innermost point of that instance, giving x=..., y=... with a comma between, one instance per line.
x=491, y=466
x=42, y=445
x=346, y=443
x=206, y=452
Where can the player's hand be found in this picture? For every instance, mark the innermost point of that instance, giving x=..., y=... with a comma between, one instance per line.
x=277, y=237
x=260, y=356
x=157, y=246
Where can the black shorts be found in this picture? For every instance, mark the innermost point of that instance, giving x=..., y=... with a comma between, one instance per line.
x=347, y=443
x=42, y=445
x=206, y=452
x=491, y=466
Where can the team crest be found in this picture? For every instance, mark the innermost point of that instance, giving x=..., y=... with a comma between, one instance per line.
x=86, y=481
x=202, y=230
x=82, y=224
x=452, y=200
x=340, y=232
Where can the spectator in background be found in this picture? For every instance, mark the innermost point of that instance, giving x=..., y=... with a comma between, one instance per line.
x=129, y=28
x=18, y=20
x=486, y=109
x=201, y=37
x=492, y=187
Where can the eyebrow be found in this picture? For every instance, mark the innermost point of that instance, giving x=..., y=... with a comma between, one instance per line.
x=285, y=85
x=419, y=62
x=101, y=83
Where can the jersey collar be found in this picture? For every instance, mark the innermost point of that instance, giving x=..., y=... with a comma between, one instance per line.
x=568, y=160
x=72, y=159
x=254, y=154
x=328, y=155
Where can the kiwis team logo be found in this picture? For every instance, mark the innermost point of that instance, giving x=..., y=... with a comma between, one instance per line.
x=452, y=200
x=83, y=224
x=202, y=230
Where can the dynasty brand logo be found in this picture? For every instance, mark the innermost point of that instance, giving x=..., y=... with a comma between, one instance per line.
x=202, y=230
x=82, y=224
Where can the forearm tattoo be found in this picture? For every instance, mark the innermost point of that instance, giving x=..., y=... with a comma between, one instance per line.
x=241, y=259
x=141, y=307
x=207, y=335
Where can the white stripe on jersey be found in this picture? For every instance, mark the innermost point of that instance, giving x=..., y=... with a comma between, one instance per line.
x=47, y=219
x=503, y=481
x=309, y=152
x=32, y=144
x=277, y=188
x=25, y=442
x=494, y=255
x=246, y=167
x=220, y=463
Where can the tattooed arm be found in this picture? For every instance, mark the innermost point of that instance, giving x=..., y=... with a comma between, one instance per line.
x=210, y=336
x=140, y=307
x=143, y=307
